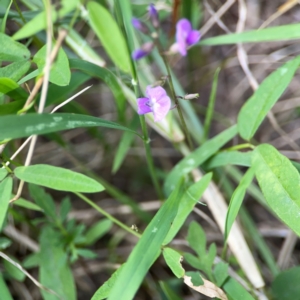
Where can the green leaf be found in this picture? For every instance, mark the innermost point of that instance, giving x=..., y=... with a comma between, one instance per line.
x=27, y=204
x=279, y=181
x=197, y=157
x=5, y=293
x=15, y=70
x=3, y=173
x=286, y=285
x=55, y=273
x=193, y=261
x=5, y=195
x=11, y=107
x=86, y=253
x=236, y=201
x=235, y=291
x=107, y=76
x=13, y=271
x=169, y=292
x=25, y=125
x=278, y=33
x=258, y=105
x=197, y=239
x=108, y=32
x=195, y=278
x=220, y=273
x=173, y=260
x=31, y=261
x=44, y=200
x=11, y=50
x=147, y=249
x=229, y=158
x=97, y=231
x=104, y=290
x=187, y=203
x=58, y=178
x=60, y=73
x=10, y=88
x=65, y=208
x=4, y=243
x=38, y=23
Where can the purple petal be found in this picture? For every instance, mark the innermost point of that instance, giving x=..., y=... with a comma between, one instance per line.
x=183, y=29
x=161, y=108
x=155, y=92
x=143, y=106
x=137, y=24
x=153, y=16
x=138, y=54
x=193, y=37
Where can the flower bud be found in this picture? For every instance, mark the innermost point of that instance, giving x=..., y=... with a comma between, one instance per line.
x=139, y=25
x=153, y=16
x=143, y=51
x=191, y=96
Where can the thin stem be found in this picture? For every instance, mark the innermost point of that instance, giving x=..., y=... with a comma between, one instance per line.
x=149, y=158
x=177, y=104
x=107, y=215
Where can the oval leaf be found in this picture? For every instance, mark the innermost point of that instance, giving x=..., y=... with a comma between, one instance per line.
x=15, y=70
x=173, y=260
x=16, y=126
x=58, y=179
x=60, y=73
x=11, y=50
x=279, y=181
x=258, y=105
x=109, y=34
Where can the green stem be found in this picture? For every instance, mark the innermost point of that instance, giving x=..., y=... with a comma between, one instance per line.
x=150, y=159
x=178, y=107
x=107, y=215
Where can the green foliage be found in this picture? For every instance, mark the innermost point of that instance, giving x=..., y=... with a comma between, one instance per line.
x=173, y=260
x=279, y=181
x=286, y=285
x=58, y=178
x=109, y=34
x=60, y=73
x=5, y=195
x=256, y=108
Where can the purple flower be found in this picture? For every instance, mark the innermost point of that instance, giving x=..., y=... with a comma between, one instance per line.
x=153, y=16
x=157, y=101
x=137, y=24
x=143, y=51
x=185, y=36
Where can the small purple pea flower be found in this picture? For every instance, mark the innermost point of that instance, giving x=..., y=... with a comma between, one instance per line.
x=153, y=16
x=157, y=102
x=143, y=51
x=185, y=36
x=139, y=25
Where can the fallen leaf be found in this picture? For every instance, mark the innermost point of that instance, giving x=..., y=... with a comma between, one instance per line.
x=208, y=289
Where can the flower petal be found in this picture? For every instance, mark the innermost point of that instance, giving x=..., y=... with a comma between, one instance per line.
x=155, y=92
x=138, y=54
x=161, y=108
x=183, y=29
x=143, y=106
x=193, y=37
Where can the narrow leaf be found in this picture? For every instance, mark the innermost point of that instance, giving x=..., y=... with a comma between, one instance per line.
x=236, y=201
x=190, y=198
x=147, y=249
x=27, y=204
x=258, y=105
x=106, y=28
x=235, y=291
x=5, y=293
x=279, y=181
x=25, y=125
x=58, y=178
x=5, y=195
x=97, y=231
x=197, y=157
x=277, y=33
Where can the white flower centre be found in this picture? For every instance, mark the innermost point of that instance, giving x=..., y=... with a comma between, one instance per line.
x=154, y=104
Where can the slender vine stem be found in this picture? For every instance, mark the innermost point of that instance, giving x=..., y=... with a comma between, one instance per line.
x=107, y=215
x=177, y=104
